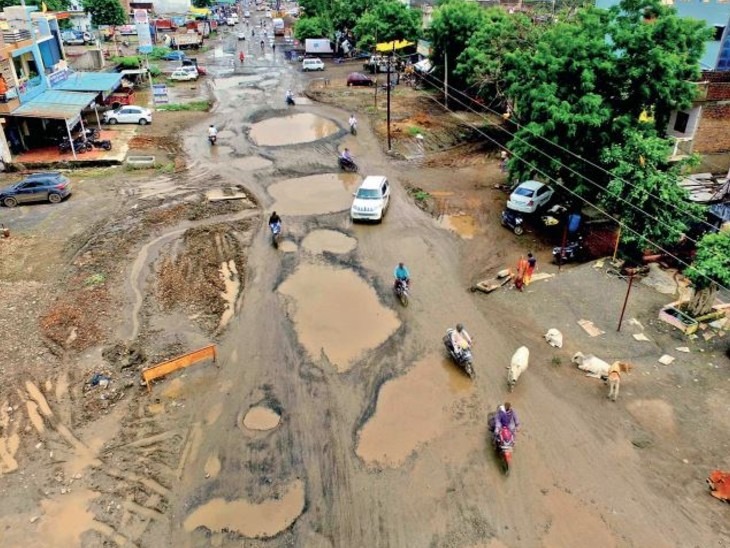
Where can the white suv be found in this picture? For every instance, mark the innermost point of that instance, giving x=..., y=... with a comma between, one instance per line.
x=312, y=64
x=371, y=199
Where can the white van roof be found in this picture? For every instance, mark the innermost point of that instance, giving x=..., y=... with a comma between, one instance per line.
x=373, y=181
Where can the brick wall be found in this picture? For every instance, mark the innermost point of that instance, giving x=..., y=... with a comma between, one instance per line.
x=713, y=133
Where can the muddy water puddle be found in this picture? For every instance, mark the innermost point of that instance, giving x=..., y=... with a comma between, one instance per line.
x=263, y=520
x=464, y=225
x=232, y=285
x=291, y=130
x=314, y=194
x=319, y=241
x=261, y=418
x=413, y=410
x=212, y=466
x=323, y=301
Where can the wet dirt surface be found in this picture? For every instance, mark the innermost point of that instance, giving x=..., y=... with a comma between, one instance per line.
x=319, y=241
x=464, y=225
x=292, y=130
x=412, y=410
x=311, y=195
x=261, y=418
x=324, y=326
x=262, y=520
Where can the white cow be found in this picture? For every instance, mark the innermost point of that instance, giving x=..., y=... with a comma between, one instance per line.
x=554, y=338
x=518, y=365
x=594, y=367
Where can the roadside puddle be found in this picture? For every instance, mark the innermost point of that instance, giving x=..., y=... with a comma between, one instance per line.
x=212, y=466
x=229, y=275
x=464, y=225
x=303, y=127
x=319, y=241
x=263, y=520
x=336, y=313
x=261, y=418
x=411, y=411
x=314, y=194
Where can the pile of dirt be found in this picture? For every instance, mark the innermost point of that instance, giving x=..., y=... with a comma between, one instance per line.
x=124, y=355
x=193, y=278
x=75, y=320
x=168, y=143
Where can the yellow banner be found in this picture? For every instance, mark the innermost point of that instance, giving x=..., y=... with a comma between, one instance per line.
x=390, y=46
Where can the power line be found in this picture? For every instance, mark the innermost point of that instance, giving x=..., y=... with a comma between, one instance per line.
x=608, y=215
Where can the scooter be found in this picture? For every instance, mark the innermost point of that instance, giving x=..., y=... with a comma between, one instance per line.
x=401, y=291
x=347, y=165
x=514, y=221
x=571, y=252
x=275, y=234
x=105, y=144
x=462, y=357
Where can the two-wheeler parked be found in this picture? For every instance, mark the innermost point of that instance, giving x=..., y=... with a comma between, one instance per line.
x=513, y=220
x=275, y=234
x=462, y=356
x=400, y=287
x=347, y=165
x=572, y=251
x=79, y=145
x=105, y=144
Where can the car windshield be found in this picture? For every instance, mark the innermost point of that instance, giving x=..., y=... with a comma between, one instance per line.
x=368, y=194
x=522, y=191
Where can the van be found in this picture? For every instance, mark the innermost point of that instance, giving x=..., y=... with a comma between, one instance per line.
x=315, y=63
x=278, y=25
x=371, y=199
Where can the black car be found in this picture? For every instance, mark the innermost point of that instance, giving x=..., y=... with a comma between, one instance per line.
x=38, y=187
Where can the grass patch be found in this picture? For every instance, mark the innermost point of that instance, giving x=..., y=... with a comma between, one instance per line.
x=192, y=106
x=167, y=168
x=414, y=130
x=421, y=195
x=556, y=361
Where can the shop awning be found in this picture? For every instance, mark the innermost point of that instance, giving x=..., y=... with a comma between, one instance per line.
x=55, y=105
x=99, y=82
x=390, y=46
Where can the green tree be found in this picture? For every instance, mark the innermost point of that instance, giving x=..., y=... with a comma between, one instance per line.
x=482, y=64
x=202, y=3
x=313, y=27
x=388, y=20
x=106, y=12
x=710, y=267
x=452, y=25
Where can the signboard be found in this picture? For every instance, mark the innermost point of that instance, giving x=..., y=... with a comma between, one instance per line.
x=57, y=77
x=141, y=21
x=423, y=48
x=159, y=94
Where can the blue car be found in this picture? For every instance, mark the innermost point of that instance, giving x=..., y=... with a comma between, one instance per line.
x=175, y=56
x=48, y=186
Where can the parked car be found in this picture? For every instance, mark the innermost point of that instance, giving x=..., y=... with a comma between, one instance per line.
x=175, y=55
x=247, y=14
x=371, y=199
x=129, y=114
x=312, y=63
x=76, y=38
x=192, y=66
x=529, y=196
x=241, y=35
x=48, y=186
x=184, y=75
x=232, y=21
x=359, y=79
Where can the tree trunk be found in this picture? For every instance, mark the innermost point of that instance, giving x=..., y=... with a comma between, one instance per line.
x=702, y=301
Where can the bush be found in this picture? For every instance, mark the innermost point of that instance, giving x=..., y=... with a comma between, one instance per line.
x=158, y=52
x=193, y=106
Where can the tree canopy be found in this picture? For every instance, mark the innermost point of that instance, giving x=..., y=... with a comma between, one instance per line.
x=712, y=261
x=105, y=12
x=313, y=27
x=387, y=21
x=202, y=3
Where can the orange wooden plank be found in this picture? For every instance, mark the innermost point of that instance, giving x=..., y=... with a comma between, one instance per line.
x=180, y=362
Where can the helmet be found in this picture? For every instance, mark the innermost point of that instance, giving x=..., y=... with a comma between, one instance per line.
x=460, y=327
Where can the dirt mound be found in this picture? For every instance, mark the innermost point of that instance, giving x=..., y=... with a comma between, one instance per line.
x=74, y=320
x=124, y=355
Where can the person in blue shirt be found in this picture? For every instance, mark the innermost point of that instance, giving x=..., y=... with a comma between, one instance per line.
x=401, y=273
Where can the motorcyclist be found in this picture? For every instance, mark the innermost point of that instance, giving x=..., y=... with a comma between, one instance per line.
x=505, y=416
x=353, y=122
x=212, y=131
x=289, y=97
x=274, y=221
x=401, y=274
x=347, y=157
x=460, y=339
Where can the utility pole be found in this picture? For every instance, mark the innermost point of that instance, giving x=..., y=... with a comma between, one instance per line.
x=446, y=81
x=626, y=300
x=388, y=100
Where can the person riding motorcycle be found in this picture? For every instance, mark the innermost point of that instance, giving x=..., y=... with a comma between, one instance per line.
x=212, y=131
x=460, y=339
x=353, y=123
x=289, y=97
x=401, y=274
x=274, y=221
x=347, y=157
x=505, y=416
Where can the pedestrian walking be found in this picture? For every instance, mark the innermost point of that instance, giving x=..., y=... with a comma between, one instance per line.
x=241, y=57
x=273, y=48
x=531, y=267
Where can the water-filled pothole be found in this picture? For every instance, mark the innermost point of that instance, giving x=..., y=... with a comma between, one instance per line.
x=302, y=127
x=325, y=325
x=319, y=241
x=263, y=520
x=315, y=194
x=261, y=418
x=412, y=410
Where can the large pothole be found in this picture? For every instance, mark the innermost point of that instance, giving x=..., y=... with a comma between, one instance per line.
x=337, y=314
x=315, y=194
x=261, y=418
x=319, y=241
x=302, y=127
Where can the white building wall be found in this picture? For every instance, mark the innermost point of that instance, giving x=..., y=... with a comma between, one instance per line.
x=172, y=6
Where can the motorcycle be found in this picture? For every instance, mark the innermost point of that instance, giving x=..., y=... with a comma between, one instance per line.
x=275, y=234
x=353, y=129
x=462, y=357
x=504, y=444
x=514, y=221
x=91, y=133
x=571, y=252
x=105, y=144
x=212, y=139
x=79, y=145
x=401, y=291
x=347, y=165
x=290, y=101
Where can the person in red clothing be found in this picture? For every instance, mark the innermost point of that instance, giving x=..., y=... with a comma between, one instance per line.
x=241, y=57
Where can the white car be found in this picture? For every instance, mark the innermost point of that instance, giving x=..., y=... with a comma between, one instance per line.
x=184, y=74
x=314, y=63
x=128, y=114
x=371, y=199
x=246, y=14
x=530, y=196
x=241, y=35
x=232, y=21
